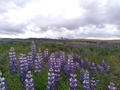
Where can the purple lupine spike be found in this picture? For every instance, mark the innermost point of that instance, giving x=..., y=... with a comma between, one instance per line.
x=72, y=82
x=62, y=59
x=52, y=60
x=33, y=48
x=101, y=71
x=69, y=68
x=108, y=69
x=46, y=57
x=111, y=86
x=51, y=80
x=2, y=82
x=40, y=54
x=23, y=68
x=86, y=82
x=82, y=63
x=29, y=82
x=81, y=75
x=93, y=83
x=30, y=61
x=38, y=61
x=77, y=65
x=104, y=64
x=55, y=64
x=86, y=87
x=25, y=63
x=87, y=63
x=12, y=63
x=70, y=62
x=93, y=68
x=78, y=59
x=86, y=75
x=89, y=66
x=57, y=69
x=56, y=54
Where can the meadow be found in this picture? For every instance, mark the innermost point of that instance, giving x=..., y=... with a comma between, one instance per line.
x=111, y=55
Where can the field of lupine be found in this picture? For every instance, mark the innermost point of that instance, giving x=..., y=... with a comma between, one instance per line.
x=30, y=66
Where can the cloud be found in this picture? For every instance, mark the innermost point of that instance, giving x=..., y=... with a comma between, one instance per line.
x=60, y=18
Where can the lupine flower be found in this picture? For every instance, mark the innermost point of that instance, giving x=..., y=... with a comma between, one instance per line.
x=89, y=66
x=86, y=82
x=33, y=48
x=57, y=69
x=62, y=59
x=72, y=82
x=52, y=60
x=77, y=65
x=69, y=67
x=93, y=83
x=51, y=80
x=78, y=58
x=12, y=63
x=29, y=82
x=86, y=87
x=87, y=63
x=38, y=63
x=23, y=68
x=39, y=53
x=22, y=74
x=2, y=82
x=46, y=55
x=81, y=75
x=25, y=63
x=30, y=61
x=93, y=68
x=111, y=86
x=82, y=63
x=55, y=64
x=101, y=71
x=33, y=51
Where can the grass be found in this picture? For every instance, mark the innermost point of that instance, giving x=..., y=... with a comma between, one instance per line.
x=110, y=55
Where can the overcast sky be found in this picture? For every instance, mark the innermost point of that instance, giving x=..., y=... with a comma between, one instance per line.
x=93, y=19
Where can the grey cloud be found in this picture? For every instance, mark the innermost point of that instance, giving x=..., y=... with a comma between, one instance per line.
x=6, y=5
x=113, y=11
x=11, y=28
x=21, y=3
x=96, y=13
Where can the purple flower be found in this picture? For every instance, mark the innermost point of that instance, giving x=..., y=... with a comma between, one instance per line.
x=81, y=75
x=93, y=68
x=93, y=83
x=2, y=82
x=111, y=86
x=29, y=82
x=86, y=82
x=46, y=57
x=12, y=62
x=37, y=63
x=72, y=82
x=51, y=80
